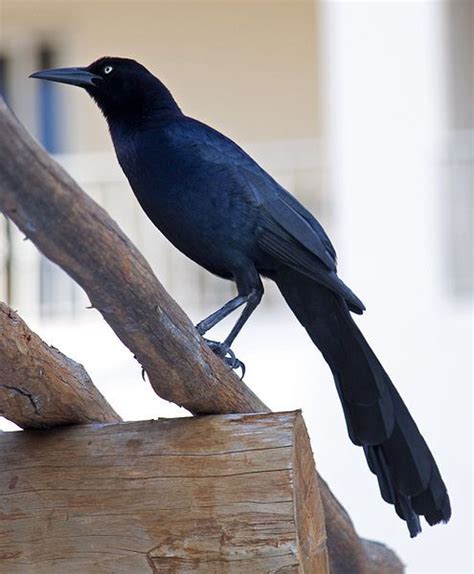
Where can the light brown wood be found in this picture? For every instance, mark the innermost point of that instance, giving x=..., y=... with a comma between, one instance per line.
x=39, y=386
x=230, y=493
x=73, y=231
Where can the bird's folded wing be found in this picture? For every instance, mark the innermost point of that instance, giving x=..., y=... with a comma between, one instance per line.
x=296, y=239
x=291, y=235
x=287, y=230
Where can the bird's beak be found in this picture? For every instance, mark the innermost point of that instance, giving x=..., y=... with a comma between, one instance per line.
x=74, y=76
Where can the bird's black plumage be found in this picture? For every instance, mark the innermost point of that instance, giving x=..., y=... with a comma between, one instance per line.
x=221, y=209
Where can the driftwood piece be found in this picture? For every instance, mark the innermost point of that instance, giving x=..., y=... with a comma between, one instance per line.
x=228, y=493
x=41, y=387
x=74, y=232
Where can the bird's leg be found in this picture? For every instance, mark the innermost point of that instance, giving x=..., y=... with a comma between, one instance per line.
x=216, y=317
x=253, y=299
x=223, y=349
x=225, y=353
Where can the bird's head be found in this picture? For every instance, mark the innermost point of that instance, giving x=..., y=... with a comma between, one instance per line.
x=120, y=86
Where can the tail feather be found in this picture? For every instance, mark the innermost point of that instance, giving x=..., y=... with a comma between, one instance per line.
x=379, y=466
x=434, y=499
x=376, y=416
x=366, y=424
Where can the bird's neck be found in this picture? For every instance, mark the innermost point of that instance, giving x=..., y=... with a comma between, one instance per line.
x=151, y=107
x=159, y=105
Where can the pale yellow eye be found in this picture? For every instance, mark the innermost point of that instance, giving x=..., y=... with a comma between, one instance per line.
x=108, y=69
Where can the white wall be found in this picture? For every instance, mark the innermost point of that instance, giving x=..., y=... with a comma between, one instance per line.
x=387, y=128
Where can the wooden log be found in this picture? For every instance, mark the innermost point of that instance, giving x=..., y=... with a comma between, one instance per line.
x=379, y=559
x=74, y=232
x=229, y=493
x=39, y=386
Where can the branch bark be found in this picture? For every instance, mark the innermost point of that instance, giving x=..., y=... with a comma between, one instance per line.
x=74, y=232
x=39, y=386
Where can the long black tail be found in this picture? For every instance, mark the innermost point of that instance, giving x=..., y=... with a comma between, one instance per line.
x=376, y=417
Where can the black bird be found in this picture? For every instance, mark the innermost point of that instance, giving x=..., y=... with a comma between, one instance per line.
x=221, y=209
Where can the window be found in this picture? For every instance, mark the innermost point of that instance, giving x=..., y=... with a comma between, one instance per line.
x=48, y=104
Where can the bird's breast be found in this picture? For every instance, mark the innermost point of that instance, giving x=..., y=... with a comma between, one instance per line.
x=200, y=211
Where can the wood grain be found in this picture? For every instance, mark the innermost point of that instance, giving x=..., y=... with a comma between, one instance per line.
x=39, y=386
x=230, y=493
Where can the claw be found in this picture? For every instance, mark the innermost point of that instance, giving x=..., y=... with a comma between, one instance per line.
x=143, y=368
x=238, y=365
x=232, y=358
x=200, y=329
x=227, y=355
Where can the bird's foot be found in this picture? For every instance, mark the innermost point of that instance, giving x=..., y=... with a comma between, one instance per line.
x=201, y=329
x=227, y=355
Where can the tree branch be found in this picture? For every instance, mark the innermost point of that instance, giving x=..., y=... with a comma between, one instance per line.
x=39, y=386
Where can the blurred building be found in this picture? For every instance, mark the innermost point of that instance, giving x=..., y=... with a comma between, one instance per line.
x=251, y=69
x=362, y=109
